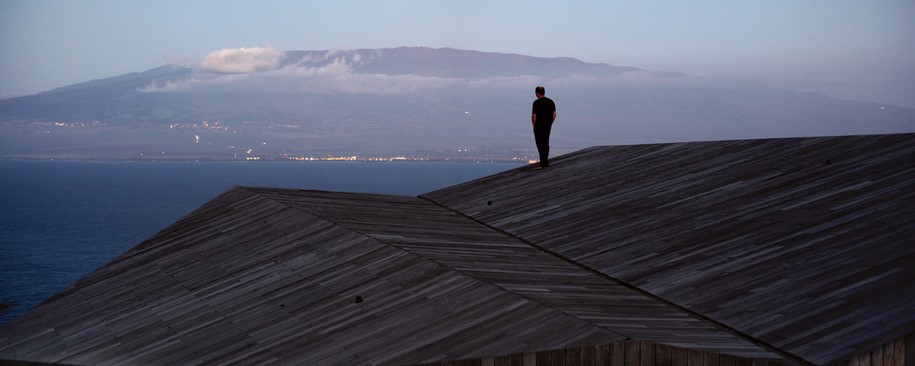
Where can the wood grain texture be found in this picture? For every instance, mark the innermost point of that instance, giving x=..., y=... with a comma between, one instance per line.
x=804, y=244
x=457, y=242
x=246, y=279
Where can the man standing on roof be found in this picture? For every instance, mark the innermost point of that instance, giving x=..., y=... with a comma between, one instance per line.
x=543, y=114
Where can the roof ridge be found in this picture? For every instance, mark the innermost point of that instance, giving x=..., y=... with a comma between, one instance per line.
x=668, y=303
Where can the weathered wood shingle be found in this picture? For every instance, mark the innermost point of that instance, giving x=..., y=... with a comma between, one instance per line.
x=466, y=246
x=806, y=244
x=246, y=279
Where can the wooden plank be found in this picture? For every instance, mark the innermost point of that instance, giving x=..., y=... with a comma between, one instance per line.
x=681, y=356
x=696, y=358
x=602, y=356
x=588, y=355
x=711, y=359
x=618, y=354
x=727, y=360
x=910, y=349
x=530, y=359
x=877, y=355
x=663, y=355
x=647, y=353
x=545, y=358
x=633, y=353
x=744, y=362
x=889, y=354
x=501, y=360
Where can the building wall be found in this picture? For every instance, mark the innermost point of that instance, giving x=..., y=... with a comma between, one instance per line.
x=632, y=353
x=900, y=352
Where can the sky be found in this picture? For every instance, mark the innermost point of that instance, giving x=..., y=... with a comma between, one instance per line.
x=851, y=49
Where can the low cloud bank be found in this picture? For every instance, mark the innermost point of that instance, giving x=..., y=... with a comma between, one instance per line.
x=335, y=77
x=257, y=70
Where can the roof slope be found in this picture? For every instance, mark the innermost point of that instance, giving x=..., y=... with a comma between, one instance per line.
x=805, y=245
x=246, y=279
x=468, y=247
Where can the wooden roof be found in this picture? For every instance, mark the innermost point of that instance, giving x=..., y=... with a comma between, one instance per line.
x=441, y=235
x=796, y=250
x=804, y=245
x=247, y=279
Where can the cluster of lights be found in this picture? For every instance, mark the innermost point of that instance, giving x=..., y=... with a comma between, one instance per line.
x=70, y=124
x=342, y=158
x=205, y=125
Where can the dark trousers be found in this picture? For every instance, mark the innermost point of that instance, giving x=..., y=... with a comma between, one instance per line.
x=542, y=138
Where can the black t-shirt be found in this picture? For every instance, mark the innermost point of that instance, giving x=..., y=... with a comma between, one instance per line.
x=543, y=108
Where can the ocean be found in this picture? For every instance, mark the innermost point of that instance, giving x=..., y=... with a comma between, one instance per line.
x=60, y=220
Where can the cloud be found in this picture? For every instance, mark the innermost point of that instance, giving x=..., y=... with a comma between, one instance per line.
x=242, y=60
x=256, y=70
x=339, y=77
x=334, y=77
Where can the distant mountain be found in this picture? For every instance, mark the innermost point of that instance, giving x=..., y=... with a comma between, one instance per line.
x=126, y=82
x=408, y=100
x=448, y=62
x=94, y=100
x=122, y=100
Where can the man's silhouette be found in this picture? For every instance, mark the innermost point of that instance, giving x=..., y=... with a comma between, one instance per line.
x=543, y=113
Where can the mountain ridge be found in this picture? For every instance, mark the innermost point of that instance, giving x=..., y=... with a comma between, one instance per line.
x=401, y=53
x=161, y=71
x=462, y=63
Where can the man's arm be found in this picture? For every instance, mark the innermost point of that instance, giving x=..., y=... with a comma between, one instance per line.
x=534, y=120
x=554, y=116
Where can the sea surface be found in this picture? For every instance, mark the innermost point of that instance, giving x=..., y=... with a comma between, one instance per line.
x=60, y=220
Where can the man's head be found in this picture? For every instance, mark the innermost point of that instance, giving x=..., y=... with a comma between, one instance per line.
x=539, y=91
